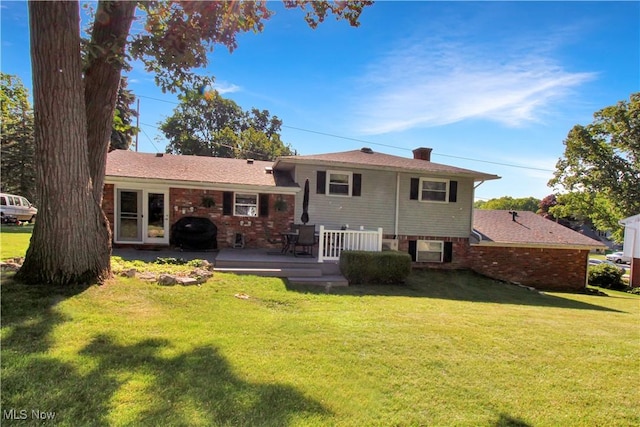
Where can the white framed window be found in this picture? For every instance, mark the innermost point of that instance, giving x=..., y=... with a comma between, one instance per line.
x=429, y=251
x=434, y=190
x=245, y=204
x=339, y=183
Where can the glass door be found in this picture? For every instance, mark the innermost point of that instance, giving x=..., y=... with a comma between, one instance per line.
x=129, y=216
x=157, y=217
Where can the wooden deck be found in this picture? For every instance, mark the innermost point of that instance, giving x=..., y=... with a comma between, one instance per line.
x=262, y=262
x=303, y=270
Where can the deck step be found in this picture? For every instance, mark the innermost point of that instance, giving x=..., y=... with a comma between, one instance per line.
x=332, y=280
x=273, y=272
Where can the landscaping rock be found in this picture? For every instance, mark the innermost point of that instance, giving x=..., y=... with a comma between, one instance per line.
x=146, y=276
x=9, y=266
x=129, y=273
x=167, y=280
x=186, y=281
x=201, y=275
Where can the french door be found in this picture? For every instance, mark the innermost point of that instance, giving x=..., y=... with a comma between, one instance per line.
x=142, y=216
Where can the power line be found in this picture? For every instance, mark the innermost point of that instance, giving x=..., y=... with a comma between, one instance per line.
x=380, y=144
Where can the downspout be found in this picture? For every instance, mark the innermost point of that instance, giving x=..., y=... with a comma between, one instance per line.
x=395, y=225
x=472, y=210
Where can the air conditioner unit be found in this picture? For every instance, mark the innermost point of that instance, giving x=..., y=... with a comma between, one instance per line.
x=390, y=244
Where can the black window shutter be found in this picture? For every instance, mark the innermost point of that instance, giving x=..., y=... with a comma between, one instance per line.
x=321, y=182
x=264, y=204
x=453, y=191
x=227, y=203
x=413, y=249
x=415, y=189
x=448, y=252
x=357, y=185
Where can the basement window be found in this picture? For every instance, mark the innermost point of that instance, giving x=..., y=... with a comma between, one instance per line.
x=429, y=251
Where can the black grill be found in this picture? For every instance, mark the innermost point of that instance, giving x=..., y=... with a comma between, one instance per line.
x=192, y=232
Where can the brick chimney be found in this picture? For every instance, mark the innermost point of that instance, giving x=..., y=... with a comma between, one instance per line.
x=422, y=153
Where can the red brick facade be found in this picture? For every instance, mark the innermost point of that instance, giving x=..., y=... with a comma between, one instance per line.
x=189, y=202
x=541, y=268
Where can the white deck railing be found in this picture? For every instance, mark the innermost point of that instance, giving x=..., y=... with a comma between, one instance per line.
x=332, y=242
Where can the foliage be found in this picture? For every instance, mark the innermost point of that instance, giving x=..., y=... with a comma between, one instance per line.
x=175, y=37
x=123, y=129
x=600, y=170
x=387, y=267
x=509, y=203
x=17, y=139
x=606, y=276
x=206, y=124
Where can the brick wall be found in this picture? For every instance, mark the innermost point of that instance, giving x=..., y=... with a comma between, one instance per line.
x=541, y=268
x=188, y=202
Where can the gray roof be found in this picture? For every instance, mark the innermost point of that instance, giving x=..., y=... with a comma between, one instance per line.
x=373, y=160
x=528, y=229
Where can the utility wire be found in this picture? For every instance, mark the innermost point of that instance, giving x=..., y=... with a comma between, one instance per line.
x=380, y=144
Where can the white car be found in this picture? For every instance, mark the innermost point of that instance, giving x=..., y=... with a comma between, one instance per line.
x=618, y=257
x=17, y=207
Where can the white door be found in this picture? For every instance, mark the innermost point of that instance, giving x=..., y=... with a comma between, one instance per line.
x=142, y=216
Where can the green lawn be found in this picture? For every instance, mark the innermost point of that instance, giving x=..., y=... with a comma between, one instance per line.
x=449, y=348
x=14, y=240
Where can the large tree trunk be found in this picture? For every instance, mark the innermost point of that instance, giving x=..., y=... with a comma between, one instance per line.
x=102, y=79
x=70, y=242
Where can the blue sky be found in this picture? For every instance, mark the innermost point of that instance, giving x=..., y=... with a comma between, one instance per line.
x=485, y=84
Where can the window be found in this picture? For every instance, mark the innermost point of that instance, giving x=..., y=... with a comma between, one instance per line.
x=245, y=205
x=3, y=201
x=429, y=251
x=339, y=183
x=433, y=190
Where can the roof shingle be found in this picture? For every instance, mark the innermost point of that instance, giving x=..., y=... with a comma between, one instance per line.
x=129, y=164
x=497, y=226
x=373, y=160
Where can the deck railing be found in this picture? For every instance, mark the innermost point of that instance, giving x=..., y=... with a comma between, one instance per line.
x=332, y=242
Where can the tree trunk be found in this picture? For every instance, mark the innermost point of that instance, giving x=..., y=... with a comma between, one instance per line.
x=70, y=242
x=102, y=79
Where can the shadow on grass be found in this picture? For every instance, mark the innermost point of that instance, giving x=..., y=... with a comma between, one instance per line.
x=148, y=380
x=509, y=421
x=459, y=285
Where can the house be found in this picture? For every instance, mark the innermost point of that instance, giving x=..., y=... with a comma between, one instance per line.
x=422, y=207
x=526, y=248
x=632, y=247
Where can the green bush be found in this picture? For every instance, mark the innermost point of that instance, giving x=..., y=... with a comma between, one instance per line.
x=386, y=267
x=606, y=276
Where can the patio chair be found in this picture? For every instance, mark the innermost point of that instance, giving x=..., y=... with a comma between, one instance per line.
x=274, y=240
x=306, y=239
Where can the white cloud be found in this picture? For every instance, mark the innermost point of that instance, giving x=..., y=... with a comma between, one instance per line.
x=432, y=83
x=224, y=87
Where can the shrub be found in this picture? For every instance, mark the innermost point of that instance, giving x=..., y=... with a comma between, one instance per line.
x=606, y=276
x=386, y=267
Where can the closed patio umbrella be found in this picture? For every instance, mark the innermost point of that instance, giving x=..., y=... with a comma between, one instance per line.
x=305, y=203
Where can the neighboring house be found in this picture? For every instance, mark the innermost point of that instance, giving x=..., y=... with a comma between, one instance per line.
x=632, y=247
x=526, y=248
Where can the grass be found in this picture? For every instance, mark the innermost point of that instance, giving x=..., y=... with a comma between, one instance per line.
x=448, y=348
x=14, y=240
